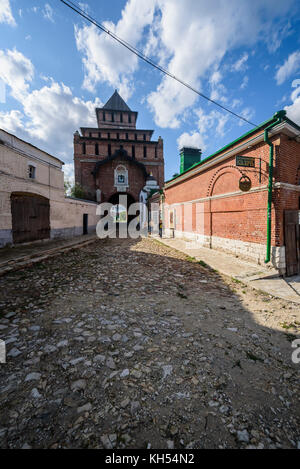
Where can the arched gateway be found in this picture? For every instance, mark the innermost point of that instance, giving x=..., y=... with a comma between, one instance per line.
x=116, y=157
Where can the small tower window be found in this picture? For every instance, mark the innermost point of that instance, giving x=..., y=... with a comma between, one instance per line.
x=103, y=116
x=144, y=136
x=121, y=117
x=83, y=149
x=129, y=118
x=118, y=136
x=109, y=149
x=133, y=151
x=145, y=152
x=135, y=136
x=126, y=136
x=155, y=152
x=108, y=135
x=31, y=171
x=96, y=149
x=112, y=117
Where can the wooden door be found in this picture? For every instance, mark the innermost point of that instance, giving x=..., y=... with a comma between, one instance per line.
x=30, y=217
x=292, y=248
x=85, y=223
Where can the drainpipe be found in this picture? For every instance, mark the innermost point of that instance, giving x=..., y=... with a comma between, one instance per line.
x=279, y=116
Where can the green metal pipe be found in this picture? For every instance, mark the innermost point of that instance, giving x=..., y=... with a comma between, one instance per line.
x=279, y=116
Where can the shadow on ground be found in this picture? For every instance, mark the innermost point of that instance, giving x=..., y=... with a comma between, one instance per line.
x=130, y=344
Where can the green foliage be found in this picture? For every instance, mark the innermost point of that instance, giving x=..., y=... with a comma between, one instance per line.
x=190, y=259
x=77, y=191
x=73, y=190
x=203, y=264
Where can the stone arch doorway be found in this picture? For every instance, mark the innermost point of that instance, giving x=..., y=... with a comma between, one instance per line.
x=30, y=217
x=121, y=202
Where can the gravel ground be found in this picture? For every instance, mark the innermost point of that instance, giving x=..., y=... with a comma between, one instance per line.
x=130, y=344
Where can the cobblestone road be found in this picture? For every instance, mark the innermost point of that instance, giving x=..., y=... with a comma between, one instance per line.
x=129, y=344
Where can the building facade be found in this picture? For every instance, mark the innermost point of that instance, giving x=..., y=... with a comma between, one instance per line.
x=232, y=201
x=116, y=158
x=33, y=205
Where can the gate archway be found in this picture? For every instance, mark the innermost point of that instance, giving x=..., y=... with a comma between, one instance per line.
x=30, y=217
x=123, y=200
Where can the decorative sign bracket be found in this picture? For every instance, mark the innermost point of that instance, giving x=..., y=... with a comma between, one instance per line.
x=245, y=183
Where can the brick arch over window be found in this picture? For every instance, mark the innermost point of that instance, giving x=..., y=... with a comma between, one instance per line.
x=225, y=170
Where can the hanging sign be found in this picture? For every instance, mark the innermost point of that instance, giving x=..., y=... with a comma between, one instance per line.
x=245, y=161
x=245, y=184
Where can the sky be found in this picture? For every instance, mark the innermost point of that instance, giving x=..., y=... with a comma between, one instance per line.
x=55, y=68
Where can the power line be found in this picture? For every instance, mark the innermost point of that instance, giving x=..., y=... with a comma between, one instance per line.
x=73, y=6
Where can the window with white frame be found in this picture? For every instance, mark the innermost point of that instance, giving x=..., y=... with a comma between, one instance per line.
x=121, y=176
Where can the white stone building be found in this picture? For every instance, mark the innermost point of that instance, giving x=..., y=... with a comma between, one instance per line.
x=33, y=205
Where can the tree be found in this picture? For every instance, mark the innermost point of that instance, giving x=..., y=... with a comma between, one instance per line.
x=74, y=190
x=77, y=191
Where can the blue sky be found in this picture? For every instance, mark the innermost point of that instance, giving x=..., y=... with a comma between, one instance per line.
x=55, y=68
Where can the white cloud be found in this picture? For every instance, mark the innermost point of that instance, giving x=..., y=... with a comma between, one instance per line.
x=84, y=6
x=214, y=121
x=68, y=169
x=189, y=38
x=12, y=122
x=293, y=111
x=218, y=90
x=105, y=60
x=192, y=140
x=248, y=113
x=6, y=15
x=241, y=64
x=53, y=113
x=290, y=66
x=277, y=34
x=197, y=36
x=236, y=103
x=244, y=82
x=50, y=115
x=48, y=13
x=16, y=71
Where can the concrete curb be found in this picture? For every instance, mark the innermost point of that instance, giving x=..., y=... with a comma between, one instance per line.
x=268, y=281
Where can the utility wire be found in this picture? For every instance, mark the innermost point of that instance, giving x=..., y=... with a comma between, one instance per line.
x=73, y=6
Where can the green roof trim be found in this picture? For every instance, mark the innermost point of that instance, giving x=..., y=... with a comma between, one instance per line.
x=247, y=134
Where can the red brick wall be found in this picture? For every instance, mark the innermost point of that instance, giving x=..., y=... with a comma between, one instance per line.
x=154, y=161
x=105, y=179
x=288, y=171
x=242, y=216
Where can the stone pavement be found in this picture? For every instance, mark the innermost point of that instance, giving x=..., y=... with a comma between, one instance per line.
x=20, y=256
x=257, y=276
x=130, y=344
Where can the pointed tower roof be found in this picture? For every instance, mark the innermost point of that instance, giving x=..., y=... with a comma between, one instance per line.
x=116, y=103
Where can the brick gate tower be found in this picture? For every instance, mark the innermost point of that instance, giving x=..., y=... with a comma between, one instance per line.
x=117, y=158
